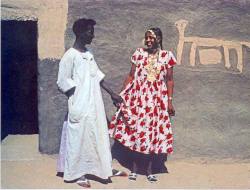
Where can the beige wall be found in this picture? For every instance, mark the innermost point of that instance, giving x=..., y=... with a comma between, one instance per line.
x=52, y=19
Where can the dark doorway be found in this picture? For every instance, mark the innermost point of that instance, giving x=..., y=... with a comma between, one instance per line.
x=19, y=110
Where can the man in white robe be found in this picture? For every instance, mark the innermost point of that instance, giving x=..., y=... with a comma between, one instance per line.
x=85, y=146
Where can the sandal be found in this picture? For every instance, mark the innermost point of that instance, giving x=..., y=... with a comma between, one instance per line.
x=82, y=181
x=151, y=178
x=119, y=173
x=132, y=176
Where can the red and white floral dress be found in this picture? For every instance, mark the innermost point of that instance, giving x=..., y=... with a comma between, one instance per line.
x=142, y=122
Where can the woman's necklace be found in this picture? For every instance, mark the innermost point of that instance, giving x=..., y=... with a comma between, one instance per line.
x=151, y=67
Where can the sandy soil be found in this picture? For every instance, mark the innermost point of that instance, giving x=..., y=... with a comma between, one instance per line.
x=194, y=173
x=24, y=167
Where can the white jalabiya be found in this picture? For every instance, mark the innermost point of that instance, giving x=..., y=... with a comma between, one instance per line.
x=85, y=147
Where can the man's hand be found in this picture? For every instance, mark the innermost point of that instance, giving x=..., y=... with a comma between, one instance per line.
x=117, y=100
x=70, y=92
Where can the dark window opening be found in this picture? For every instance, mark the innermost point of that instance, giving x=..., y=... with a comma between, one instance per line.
x=19, y=104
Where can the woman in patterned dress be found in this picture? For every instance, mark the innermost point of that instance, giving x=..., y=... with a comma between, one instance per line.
x=142, y=123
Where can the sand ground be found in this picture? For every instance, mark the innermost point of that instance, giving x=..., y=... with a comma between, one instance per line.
x=23, y=167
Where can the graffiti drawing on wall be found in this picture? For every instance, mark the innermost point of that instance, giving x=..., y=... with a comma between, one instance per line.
x=209, y=55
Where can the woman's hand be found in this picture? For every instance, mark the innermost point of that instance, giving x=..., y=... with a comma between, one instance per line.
x=171, y=110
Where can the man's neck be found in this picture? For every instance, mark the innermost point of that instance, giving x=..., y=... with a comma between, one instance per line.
x=79, y=47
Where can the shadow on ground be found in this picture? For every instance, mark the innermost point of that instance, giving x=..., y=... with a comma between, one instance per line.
x=124, y=156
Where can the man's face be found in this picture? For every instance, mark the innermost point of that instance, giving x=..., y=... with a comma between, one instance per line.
x=87, y=36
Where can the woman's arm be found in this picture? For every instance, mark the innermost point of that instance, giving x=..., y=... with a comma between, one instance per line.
x=170, y=86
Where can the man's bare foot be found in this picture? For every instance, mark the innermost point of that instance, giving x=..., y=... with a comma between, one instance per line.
x=119, y=173
x=84, y=182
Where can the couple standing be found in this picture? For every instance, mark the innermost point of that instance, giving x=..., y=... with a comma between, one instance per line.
x=142, y=121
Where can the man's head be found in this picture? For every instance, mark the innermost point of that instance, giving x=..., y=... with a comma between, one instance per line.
x=84, y=30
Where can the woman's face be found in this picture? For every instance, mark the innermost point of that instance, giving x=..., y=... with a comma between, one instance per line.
x=150, y=40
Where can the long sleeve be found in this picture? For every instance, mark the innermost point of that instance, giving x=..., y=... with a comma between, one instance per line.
x=64, y=80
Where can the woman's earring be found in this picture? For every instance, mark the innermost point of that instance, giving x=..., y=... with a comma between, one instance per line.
x=143, y=42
